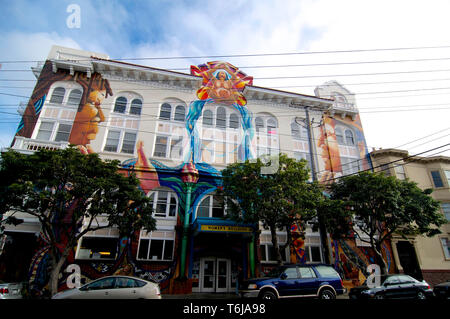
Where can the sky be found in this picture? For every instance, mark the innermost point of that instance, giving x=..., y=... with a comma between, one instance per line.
x=393, y=55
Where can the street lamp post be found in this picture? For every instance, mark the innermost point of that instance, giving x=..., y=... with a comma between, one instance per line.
x=189, y=176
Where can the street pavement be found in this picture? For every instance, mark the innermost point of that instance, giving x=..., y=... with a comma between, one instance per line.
x=224, y=296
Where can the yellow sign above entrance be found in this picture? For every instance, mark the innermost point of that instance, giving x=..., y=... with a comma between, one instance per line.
x=236, y=229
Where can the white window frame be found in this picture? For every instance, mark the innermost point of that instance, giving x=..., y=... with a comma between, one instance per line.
x=266, y=243
x=210, y=207
x=122, y=133
x=130, y=97
x=155, y=193
x=103, y=233
x=445, y=242
x=159, y=234
x=267, y=144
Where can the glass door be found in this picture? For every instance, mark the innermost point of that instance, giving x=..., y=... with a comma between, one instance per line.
x=223, y=275
x=209, y=275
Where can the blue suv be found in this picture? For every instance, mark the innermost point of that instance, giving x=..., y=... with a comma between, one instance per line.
x=290, y=281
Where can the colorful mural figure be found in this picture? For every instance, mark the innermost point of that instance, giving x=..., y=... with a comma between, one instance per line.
x=349, y=259
x=222, y=83
x=90, y=114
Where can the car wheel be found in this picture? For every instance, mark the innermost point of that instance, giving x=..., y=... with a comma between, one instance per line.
x=421, y=295
x=267, y=295
x=379, y=296
x=327, y=294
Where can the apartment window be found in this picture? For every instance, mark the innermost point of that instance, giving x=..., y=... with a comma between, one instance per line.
x=180, y=113
x=112, y=141
x=161, y=146
x=446, y=210
x=74, y=98
x=165, y=112
x=208, y=117
x=349, y=138
x=313, y=254
x=298, y=131
x=268, y=253
x=164, y=203
x=234, y=121
x=350, y=165
x=136, y=107
x=446, y=247
x=98, y=248
x=157, y=245
x=437, y=179
x=45, y=131
x=221, y=119
x=120, y=105
x=259, y=124
x=58, y=95
x=63, y=133
x=339, y=135
x=211, y=206
x=447, y=176
x=129, y=141
x=400, y=172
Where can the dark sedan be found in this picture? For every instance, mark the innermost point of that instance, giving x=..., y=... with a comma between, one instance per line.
x=394, y=286
x=442, y=290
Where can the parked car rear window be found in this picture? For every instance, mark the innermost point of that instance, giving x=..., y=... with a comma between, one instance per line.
x=325, y=271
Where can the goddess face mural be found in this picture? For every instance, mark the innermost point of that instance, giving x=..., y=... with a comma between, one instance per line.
x=222, y=83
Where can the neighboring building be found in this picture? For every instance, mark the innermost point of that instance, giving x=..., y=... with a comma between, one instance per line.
x=177, y=132
x=420, y=256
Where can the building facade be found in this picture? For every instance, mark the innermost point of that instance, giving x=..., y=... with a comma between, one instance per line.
x=422, y=257
x=176, y=132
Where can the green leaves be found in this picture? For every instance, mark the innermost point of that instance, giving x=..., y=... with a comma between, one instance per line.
x=277, y=200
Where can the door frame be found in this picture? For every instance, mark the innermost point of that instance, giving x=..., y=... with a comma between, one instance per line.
x=215, y=288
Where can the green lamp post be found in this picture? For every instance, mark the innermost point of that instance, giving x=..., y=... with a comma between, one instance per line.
x=189, y=176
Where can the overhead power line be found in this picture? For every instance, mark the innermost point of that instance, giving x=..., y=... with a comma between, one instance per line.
x=256, y=54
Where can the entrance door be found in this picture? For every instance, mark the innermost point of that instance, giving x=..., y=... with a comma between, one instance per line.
x=215, y=275
x=408, y=259
x=208, y=273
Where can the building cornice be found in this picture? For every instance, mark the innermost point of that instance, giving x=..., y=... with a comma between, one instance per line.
x=407, y=158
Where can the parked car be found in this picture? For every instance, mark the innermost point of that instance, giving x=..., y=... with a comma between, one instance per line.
x=290, y=281
x=393, y=286
x=442, y=290
x=114, y=287
x=11, y=290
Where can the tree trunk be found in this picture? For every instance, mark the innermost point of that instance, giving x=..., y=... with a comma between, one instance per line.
x=56, y=270
x=380, y=259
x=273, y=232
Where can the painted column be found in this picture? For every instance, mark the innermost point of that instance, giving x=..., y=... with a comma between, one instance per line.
x=251, y=251
x=189, y=175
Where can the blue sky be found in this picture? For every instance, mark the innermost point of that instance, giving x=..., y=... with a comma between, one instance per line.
x=395, y=108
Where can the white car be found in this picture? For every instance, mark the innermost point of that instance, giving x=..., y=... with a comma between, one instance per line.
x=11, y=291
x=114, y=287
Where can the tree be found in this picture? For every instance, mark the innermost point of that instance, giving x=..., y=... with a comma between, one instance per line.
x=68, y=192
x=277, y=200
x=374, y=206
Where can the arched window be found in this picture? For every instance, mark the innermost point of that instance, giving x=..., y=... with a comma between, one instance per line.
x=166, y=111
x=349, y=139
x=164, y=203
x=221, y=119
x=234, y=121
x=180, y=113
x=259, y=124
x=339, y=135
x=136, y=107
x=58, y=95
x=271, y=126
x=74, y=98
x=208, y=117
x=211, y=206
x=120, y=105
